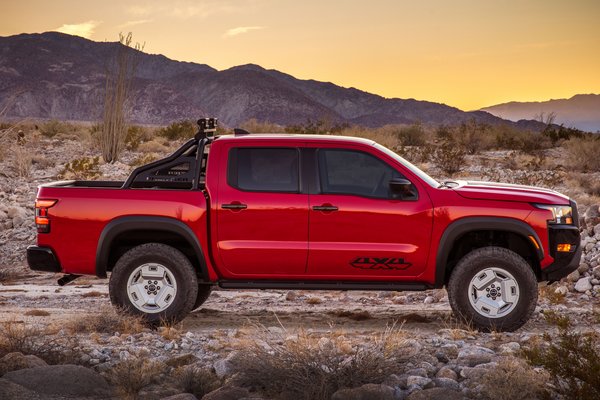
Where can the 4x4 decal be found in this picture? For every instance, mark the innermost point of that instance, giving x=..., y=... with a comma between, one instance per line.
x=380, y=263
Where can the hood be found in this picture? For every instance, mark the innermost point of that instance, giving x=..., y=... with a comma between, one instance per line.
x=507, y=192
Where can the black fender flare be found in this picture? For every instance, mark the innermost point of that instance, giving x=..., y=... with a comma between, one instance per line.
x=469, y=224
x=136, y=223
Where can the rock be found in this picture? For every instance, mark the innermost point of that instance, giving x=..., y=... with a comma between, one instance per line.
x=447, y=373
x=419, y=381
x=224, y=367
x=227, y=393
x=180, y=361
x=474, y=355
x=181, y=396
x=429, y=300
x=64, y=380
x=16, y=361
x=11, y=390
x=473, y=373
x=583, y=268
x=562, y=290
x=583, y=285
x=592, y=216
x=446, y=383
x=574, y=276
x=596, y=272
x=436, y=394
x=291, y=296
x=509, y=348
x=417, y=372
x=597, y=230
x=369, y=391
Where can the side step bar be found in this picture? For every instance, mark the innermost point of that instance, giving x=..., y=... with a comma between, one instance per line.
x=321, y=285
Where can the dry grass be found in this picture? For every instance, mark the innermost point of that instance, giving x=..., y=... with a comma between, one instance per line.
x=169, y=330
x=314, y=300
x=93, y=293
x=310, y=366
x=549, y=293
x=197, y=381
x=37, y=313
x=255, y=126
x=582, y=153
x=81, y=169
x=144, y=159
x=152, y=146
x=22, y=161
x=513, y=379
x=108, y=320
x=37, y=340
x=131, y=376
x=353, y=315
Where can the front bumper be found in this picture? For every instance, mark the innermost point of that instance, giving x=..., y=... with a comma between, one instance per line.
x=42, y=259
x=564, y=262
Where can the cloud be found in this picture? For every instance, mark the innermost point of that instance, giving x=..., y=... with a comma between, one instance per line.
x=241, y=30
x=185, y=9
x=136, y=22
x=84, y=29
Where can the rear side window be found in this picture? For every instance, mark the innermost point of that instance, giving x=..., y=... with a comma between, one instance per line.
x=354, y=173
x=264, y=169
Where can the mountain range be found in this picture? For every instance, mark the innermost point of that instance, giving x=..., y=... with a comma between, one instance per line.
x=581, y=111
x=55, y=75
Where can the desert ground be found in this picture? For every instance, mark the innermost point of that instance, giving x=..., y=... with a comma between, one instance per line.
x=68, y=342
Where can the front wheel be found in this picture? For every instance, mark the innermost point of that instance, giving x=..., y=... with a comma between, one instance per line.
x=493, y=288
x=156, y=281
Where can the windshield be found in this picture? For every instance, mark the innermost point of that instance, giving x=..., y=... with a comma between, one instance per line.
x=430, y=181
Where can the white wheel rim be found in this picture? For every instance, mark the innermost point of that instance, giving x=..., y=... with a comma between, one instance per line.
x=494, y=292
x=151, y=288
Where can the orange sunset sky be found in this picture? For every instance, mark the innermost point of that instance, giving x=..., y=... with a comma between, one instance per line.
x=467, y=54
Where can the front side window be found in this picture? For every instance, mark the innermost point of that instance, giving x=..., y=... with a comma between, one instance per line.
x=355, y=173
x=264, y=169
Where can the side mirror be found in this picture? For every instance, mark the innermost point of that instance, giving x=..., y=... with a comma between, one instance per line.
x=403, y=189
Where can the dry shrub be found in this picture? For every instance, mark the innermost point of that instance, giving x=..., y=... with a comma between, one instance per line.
x=152, y=146
x=549, y=293
x=572, y=360
x=22, y=161
x=197, y=381
x=306, y=366
x=413, y=135
x=54, y=127
x=255, y=126
x=42, y=162
x=37, y=313
x=589, y=184
x=144, y=159
x=81, y=169
x=513, y=379
x=131, y=376
x=93, y=293
x=583, y=153
x=108, y=320
x=179, y=130
x=37, y=340
x=449, y=157
x=169, y=330
x=473, y=136
x=314, y=300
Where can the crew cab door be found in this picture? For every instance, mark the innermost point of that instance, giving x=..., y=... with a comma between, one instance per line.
x=262, y=214
x=359, y=227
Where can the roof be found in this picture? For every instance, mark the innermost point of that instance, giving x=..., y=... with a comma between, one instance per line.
x=297, y=137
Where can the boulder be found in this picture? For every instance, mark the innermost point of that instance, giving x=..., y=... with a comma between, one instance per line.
x=64, y=380
x=11, y=390
x=420, y=381
x=474, y=355
x=447, y=373
x=17, y=361
x=583, y=285
x=224, y=367
x=369, y=391
x=436, y=394
x=227, y=393
x=180, y=361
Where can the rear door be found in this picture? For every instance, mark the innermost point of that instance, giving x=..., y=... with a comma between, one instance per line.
x=262, y=214
x=357, y=226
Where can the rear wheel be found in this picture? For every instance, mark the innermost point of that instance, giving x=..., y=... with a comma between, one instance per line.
x=156, y=281
x=203, y=293
x=493, y=288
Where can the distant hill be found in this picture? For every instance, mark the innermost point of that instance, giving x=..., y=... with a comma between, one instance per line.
x=581, y=111
x=54, y=75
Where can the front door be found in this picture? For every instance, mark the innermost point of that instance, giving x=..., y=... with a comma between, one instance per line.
x=358, y=227
x=262, y=216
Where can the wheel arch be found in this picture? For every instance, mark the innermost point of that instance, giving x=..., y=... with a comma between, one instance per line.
x=124, y=233
x=511, y=228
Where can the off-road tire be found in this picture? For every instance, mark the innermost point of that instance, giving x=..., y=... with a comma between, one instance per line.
x=474, y=263
x=203, y=293
x=173, y=260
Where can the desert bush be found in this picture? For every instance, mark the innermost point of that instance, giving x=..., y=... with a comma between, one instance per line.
x=311, y=367
x=132, y=375
x=323, y=126
x=143, y=159
x=255, y=126
x=16, y=336
x=178, y=130
x=152, y=146
x=572, y=360
x=472, y=136
x=513, y=379
x=37, y=313
x=54, y=127
x=549, y=293
x=589, y=184
x=42, y=161
x=449, y=157
x=560, y=133
x=136, y=135
x=197, y=381
x=81, y=169
x=107, y=320
x=583, y=154
x=22, y=161
x=413, y=135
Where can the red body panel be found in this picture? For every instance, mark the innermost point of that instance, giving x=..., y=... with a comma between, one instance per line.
x=280, y=236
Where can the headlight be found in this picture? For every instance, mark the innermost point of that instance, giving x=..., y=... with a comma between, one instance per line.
x=561, y=214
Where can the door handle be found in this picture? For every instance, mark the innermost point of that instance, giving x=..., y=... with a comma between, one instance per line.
x=236, y=205
x=325, y=207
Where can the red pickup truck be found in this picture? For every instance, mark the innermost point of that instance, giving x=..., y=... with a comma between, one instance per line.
x=304, y=212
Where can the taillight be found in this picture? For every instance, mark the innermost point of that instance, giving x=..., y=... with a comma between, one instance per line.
x=42, y=222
